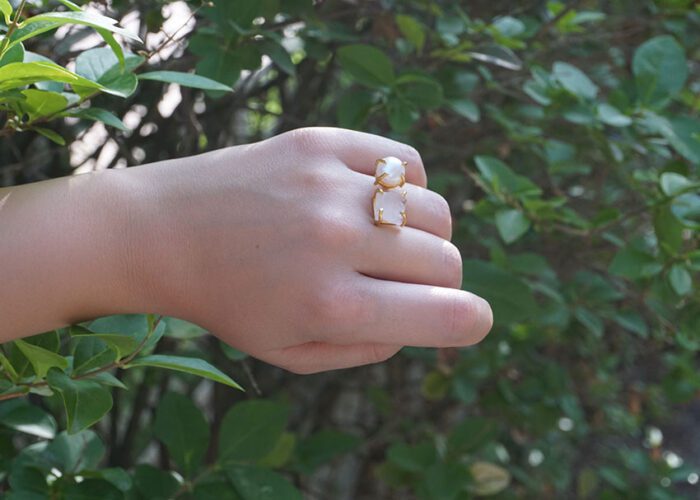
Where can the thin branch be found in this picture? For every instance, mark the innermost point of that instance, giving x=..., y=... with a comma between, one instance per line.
x=13, y=26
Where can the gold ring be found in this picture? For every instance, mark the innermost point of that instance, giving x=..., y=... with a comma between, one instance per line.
x=389, y=198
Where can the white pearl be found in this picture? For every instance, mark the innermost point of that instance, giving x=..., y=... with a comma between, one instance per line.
x=394, y=170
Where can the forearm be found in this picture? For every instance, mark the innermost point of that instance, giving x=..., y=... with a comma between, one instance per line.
x=65, y=252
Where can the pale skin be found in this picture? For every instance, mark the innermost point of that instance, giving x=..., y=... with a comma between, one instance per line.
x=269, y=246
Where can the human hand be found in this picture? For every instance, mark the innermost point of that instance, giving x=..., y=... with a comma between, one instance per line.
x=272, y=248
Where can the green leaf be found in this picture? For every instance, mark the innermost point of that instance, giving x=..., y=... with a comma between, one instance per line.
x=106, y=378
x=660, y=69
x=401, y=114
x=28, y=418
x=85, y=401
x=632, y=321
x=279, y=56
x=93, y=64
x=71, y=5
x=15, y=75
x=41, y=103
x=6, y=10
x=669, y=230
x=612, y=116
x=73, y=453
x=591, y=320
x=50, y=135
x=182, y=428
x=685, y=137
x=185, y=79
x=412, y=30
x=23, y=368
x=153, y=483
x=414, y=458
x=323, y=446
x=673, y=184
x=502, y=178
x=49, y=85
x=8, y=368
x=680, y=280
x=489, y=479
x=574, y=80
x=368, y=65
x=115, y=475
x=194, y=366
x=28, y=31
x=257, y=483
x=42, y=360
x=420, y=90
x=444, y=481
x=223, y=59
x=91, y=19
x=240, y=13
x=101, y=65
x=435, y=385
x=510, y=298
x=511, y=224
x=281, y=452
x=466, y=108
x=354, y=107
x=92, y=488
x=471, y=434
x=98, y=115
x=250, y=430
x=91, y=353
x=14, y=55
x=632, y=263
x=114, y=45
x=123, y=345
x=232, y=353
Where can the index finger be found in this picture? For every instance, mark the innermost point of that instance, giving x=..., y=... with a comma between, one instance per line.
x=360, y=151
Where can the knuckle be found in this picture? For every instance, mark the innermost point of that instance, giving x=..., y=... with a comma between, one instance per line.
x=319, y=180
x=452, y=265
x=306, y=140
x=332, y=230
x=340, y=303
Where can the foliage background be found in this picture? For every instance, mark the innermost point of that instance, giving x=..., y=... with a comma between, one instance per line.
x=565, y=136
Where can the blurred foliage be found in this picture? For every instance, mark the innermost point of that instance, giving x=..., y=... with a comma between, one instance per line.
x=565, y=136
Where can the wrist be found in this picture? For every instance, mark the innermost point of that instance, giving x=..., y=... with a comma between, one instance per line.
x=161, y=250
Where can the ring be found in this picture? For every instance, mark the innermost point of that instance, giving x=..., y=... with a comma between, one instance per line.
x=389, y=199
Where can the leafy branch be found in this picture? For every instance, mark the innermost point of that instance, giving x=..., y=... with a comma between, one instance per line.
x=118, y=363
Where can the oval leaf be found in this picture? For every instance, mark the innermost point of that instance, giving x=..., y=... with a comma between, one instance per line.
x=194, y=366
x=185, y=79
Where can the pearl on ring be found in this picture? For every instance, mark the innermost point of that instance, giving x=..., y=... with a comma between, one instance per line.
x=390, y=173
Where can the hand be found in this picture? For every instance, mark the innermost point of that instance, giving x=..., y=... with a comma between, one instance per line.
x=272, y=248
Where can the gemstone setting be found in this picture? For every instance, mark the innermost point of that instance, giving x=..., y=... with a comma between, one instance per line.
x=390, y=172
x=389, y=206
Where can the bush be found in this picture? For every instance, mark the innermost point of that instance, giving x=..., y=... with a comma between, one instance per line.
x=566, y=138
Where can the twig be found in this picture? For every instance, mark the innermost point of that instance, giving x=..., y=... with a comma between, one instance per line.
x=548, y=25
x=13, y=26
